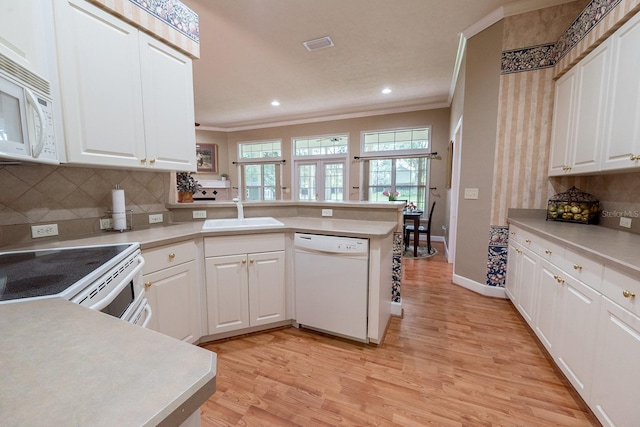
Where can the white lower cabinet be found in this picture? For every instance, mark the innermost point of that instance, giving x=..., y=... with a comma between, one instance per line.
x=171, y=286
x=578, y=314
x=246, y=289
x=521, y=278
x=587, y=317
x=547, y=307
x=617, y=377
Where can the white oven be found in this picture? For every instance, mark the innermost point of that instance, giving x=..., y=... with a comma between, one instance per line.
x=107, y=278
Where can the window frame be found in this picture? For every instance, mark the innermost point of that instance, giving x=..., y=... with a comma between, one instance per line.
x=320, y=161
x=243, y=162
x=394, y=155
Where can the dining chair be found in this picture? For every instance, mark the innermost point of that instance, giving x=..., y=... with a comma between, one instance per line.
x=408, y=229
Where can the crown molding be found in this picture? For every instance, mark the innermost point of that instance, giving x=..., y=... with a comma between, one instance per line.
x=360, y=114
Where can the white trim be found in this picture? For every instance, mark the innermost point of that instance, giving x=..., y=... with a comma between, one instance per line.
x=424, y=106
x=454, y=191
x=484, y=23
x=516, y=8
x=480, y=288
x=396, y=308
x=462, y=45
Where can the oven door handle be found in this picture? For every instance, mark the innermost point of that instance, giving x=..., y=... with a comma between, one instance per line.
x=114, y=293
x=147, y=308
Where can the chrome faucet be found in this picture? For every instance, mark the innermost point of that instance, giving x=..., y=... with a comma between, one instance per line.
x=240, y=207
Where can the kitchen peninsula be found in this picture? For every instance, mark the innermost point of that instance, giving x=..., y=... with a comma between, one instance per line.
x=68, y=365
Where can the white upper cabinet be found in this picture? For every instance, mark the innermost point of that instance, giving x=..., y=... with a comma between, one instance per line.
x=579, y=113
x=127, y=99
x=167, y=88
x=562, y=129
x=621, y=148
x=23, y=34
x=596, y=117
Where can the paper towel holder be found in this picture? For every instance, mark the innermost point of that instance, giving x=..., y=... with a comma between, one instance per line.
x=108, y=215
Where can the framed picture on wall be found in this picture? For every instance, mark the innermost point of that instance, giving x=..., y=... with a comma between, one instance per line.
x=449, y=163
x=207, y=157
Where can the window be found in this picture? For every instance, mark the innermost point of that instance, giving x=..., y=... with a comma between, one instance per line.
x=260, y=182
x=260, y=169
x=396, y=160
x=320, y=167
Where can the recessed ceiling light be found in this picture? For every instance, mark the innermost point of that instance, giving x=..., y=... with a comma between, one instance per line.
x=386, y=90
x=275, y=102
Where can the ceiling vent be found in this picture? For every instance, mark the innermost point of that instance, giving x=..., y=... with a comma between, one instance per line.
x=320, y=43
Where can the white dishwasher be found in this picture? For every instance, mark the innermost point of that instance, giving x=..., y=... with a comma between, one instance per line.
x=332, y=284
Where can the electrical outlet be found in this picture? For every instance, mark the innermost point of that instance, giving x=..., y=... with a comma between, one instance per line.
x=471, y=193
x=327, y=212
x=155, y=218
x=625, y=222
x=199, y=214
x=106, y=223
x=44, y=230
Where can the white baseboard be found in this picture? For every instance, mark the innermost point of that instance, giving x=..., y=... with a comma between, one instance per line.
x=480, y=288
x=396, y=308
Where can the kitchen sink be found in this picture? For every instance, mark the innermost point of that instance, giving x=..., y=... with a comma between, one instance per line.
x=240, y=223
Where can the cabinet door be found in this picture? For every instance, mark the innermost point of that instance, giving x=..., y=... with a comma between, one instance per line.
x=227, y=293
x=511, y=284
x=588, y=130
x=549, y=291
x=167, y=93
x=614, y=399
x=173, y=296
x=527, y=272
x=578, y=323
x=99, y=69
x=266, y=288
x=563, y=119
x=623, y=136
x=23, y=37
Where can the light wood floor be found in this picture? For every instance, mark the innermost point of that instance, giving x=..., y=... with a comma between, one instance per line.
x=455, y=359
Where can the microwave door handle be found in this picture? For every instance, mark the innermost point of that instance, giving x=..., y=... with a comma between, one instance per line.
x=34, y=103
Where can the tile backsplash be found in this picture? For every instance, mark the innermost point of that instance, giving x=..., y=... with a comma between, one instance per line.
x=41, y=193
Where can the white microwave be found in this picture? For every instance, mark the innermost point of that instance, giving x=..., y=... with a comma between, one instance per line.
x=26, y=116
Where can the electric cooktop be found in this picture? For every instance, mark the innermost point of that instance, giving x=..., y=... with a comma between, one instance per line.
x=55, y=272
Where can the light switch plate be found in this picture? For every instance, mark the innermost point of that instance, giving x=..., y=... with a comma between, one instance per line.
x=155, y=218
x=471, y=193
x=327, y=212
x=625, y=222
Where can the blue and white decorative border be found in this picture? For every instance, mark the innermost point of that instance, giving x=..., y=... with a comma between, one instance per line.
x=547, y=55
x=497, y=255
x=175, y=14
x=396, y=274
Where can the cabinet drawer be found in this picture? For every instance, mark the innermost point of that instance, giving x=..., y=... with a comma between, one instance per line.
x=620, y=288
x=233, y=245
x=550, y=251
x=582, y=268
x=166, y=256
x=525, y=238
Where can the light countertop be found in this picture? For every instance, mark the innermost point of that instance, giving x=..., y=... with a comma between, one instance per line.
x=167, y=234
x=617, y=249
x=68, y=365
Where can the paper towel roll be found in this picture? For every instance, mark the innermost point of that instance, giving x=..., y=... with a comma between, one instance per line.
x=118, y=210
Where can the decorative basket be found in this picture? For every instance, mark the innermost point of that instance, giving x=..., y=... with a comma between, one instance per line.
x=574, y=206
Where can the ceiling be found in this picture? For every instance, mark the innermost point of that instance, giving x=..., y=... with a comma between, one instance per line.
x=251, y=53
